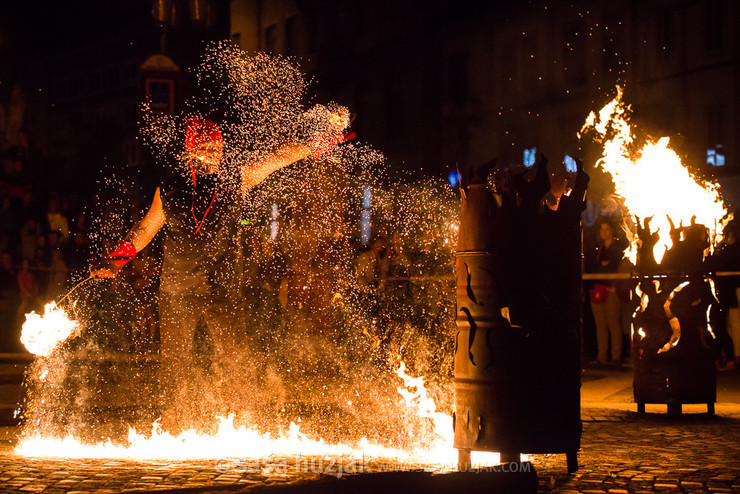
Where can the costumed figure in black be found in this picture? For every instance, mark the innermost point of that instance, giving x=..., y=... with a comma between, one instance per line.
x=200, y=211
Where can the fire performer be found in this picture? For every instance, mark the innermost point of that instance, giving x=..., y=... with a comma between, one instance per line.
x=202, y=263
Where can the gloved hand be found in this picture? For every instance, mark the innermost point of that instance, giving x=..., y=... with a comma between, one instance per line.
x=110, y=265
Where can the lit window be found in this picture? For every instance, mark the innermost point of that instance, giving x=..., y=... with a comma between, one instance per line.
x=454, y=178
x=365, y=225
x=530, y=156
x=570, y=164
x=716, y=156
x=274, y=221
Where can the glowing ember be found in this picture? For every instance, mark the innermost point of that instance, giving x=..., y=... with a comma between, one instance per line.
x=41, y=334
x=652, y=180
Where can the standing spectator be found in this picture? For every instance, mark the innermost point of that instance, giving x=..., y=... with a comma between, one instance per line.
x=605, y=303
x=29, y=234
x=369, y=272
x=57, y=275
x=8, y=225
x=57, y=221
x=8, y=304
x=29, y=290
x=726, y=258
x=29, y=210
x=78, y=251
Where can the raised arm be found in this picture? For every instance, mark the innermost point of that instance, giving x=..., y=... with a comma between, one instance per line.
x=331, y=134
x=139, y=237
x=256, y=171
x=143, y=232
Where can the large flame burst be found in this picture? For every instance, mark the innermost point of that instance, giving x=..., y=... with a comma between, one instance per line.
x=41, y=334
x=652, y=180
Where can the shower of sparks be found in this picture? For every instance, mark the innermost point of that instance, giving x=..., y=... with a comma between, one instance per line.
x=230, y=441
x=652, y=180
x=323, y=344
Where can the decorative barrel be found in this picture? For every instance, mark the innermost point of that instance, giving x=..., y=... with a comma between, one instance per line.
x=517, y=344
x=491, y=362
x=684, y=374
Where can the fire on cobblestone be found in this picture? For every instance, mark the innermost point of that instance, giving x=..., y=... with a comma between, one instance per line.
x=231, y=441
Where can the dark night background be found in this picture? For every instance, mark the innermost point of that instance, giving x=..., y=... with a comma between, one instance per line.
x=435, y=84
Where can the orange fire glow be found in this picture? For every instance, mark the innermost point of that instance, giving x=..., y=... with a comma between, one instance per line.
x=652, y=180
x=247, y=442
x=41, y=334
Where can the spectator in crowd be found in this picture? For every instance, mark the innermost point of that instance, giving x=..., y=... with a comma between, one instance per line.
x=29, y=209
x=57, y=221
x=725, y=258
x=78, y=251
x=8, y=304
x=605, y=303
x=29, y=234
x=370, y=272
x=8, y=224
x=57, y=276
x=29, y=290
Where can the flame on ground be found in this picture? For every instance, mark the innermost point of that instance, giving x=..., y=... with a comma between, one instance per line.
x=41, y=334
x=248, y=443
x=652, y=180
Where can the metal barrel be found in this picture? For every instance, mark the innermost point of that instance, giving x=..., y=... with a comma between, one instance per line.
x=683, y=375
x=490, y=360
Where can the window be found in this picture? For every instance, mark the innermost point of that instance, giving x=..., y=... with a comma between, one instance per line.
x=663, y=35
x=457, y=78
x=716, y=156
x=714, y=24
x=274, y=227
x=574, y=58
x=292, y=39
x=530, y=156
x=570, y=164
x=271, y=38
x=365, y=220
x=716, y=135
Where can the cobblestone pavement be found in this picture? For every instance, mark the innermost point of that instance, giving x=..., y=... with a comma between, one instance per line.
x=621, y=452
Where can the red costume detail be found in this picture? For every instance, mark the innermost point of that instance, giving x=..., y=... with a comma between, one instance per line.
x=123, y=253
x=199, y=131
x=330, y=144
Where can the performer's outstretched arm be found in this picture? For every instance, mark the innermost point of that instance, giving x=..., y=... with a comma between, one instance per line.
x=139, y=237
x=255, y=172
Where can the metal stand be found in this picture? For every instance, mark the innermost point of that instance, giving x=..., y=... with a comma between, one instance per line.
x=510, y=457
x=674, y=409
x=572, y=461
x=463, y=460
